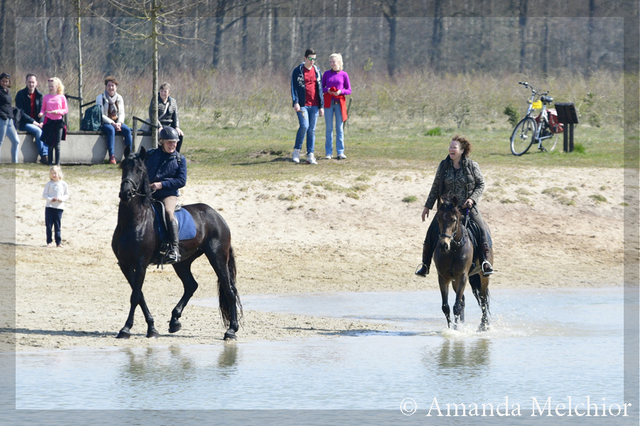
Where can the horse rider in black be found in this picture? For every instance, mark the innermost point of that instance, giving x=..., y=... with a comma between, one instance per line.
x=457, y=175
x=167, y=174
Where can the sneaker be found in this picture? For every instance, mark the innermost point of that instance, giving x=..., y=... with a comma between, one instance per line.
x=328, y=157
x=112, y=159
x=50, y=245
x=296, y=156
x=311, y=159
x=342, y=157
x=44, y=160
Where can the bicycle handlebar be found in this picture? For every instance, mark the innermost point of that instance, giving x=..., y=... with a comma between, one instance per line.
x=527, y=85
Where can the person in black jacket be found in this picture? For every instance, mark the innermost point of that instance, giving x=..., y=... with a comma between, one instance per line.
x=306, y=94
x=167, y=171
x=7, y=126
x=29, y=101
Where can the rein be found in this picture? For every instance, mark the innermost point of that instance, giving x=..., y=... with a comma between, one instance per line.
x=135, y=191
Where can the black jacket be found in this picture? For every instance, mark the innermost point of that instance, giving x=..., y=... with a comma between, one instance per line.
x=6, y=112
x=23, y=102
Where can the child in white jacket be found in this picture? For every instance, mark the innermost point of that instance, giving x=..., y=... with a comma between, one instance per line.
x=56, y=192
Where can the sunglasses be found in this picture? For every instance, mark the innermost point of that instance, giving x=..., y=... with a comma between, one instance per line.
x=311, y=59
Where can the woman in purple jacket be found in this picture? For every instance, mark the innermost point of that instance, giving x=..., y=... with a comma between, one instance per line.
x=335, y=86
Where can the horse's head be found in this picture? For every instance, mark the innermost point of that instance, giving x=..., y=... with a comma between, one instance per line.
x=134, y=175
x=449, y=222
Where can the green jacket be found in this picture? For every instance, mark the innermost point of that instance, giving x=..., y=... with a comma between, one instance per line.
x=448, y=183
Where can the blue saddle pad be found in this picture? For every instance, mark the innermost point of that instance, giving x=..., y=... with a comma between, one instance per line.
x=186, y=225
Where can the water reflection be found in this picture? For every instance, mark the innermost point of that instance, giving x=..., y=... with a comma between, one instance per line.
x=177, y=363
x=465, y=357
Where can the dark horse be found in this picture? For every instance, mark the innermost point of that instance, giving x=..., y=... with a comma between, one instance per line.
x=136, y=244
x=456, y=263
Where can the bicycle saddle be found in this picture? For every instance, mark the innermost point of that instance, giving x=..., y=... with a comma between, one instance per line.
x=546, y=99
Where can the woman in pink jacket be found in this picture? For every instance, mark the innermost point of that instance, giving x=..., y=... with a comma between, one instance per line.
x=335, y=86
x=54, y=107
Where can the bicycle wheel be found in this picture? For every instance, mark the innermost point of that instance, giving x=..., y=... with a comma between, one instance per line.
x=523, y=135
x=550, y=143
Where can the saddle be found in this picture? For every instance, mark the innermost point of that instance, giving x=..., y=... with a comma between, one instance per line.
x=473, y=230
x=186, y=224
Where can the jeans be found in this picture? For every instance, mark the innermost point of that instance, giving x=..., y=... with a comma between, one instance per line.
x=110, y=135
x=36, y=131
x=53, y=218
x=8, y=129
x=308, y=116
x=328, y=118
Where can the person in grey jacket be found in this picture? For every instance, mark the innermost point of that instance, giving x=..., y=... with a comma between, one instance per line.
x=167, y=111
x=458, y=176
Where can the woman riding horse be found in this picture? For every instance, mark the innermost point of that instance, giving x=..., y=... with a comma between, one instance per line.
x=457, y=176
x=168, y=173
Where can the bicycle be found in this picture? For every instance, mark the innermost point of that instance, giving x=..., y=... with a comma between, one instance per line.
x=531, y=130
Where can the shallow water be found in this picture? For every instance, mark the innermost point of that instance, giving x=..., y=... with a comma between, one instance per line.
x=542, y=344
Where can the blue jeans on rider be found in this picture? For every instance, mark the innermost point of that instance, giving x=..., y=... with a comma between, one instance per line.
x=110, y=135
x=307, y=117
x=8, y=129
x=36, y=131
x=329, y=113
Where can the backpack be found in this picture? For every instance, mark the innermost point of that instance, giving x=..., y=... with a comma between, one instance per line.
x=92, y=120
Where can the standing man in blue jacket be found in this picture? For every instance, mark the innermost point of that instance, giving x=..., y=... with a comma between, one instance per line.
x=306, y=92
x=167, y=170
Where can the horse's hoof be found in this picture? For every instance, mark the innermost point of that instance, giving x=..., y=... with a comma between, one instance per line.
x=123, y=335
x=153, y=334
x=230, y=335
x=174, y=326
x=483, y=327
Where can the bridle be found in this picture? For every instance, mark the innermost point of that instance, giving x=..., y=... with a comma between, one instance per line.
x=454, y=235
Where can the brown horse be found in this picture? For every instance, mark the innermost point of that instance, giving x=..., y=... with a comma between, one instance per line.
x=456, y=264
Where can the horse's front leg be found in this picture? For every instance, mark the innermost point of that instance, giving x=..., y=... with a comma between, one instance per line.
x=444, y=292
x=136, y=276
x=190, y=286
x=459, y=285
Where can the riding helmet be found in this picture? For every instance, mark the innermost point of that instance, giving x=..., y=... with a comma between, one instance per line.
x=168, y=133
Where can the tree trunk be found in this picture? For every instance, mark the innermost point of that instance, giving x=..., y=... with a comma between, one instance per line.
x=347, y=37
x=390, y=13
x=436, y=37
x=269, y=36
x=221, y=10
x=523, y=35
x=154, y=95
x=79, y=42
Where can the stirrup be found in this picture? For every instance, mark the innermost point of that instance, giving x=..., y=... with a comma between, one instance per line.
x=419, y=270
x=489, y=272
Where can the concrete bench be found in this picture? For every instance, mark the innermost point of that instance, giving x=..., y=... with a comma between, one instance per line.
x=79, y=148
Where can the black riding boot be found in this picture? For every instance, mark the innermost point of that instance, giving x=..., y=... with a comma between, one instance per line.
x=427, y=254
x=173, y=254
x=430, y=242
x=487, y=268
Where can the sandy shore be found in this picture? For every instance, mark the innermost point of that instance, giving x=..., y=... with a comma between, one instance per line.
x=552, y=228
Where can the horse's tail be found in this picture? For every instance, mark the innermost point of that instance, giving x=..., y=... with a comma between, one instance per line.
x=227, y=303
